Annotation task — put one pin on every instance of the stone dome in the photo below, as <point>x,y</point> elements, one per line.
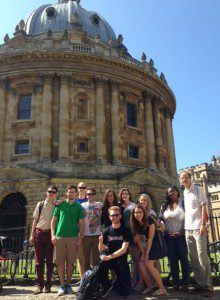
<point>59,17</point>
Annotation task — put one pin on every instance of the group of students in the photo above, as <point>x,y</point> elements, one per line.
<point>105,232</point>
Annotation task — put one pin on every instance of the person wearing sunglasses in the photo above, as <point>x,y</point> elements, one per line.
<point>66,234</point>
<point>41,238</point>
<point>92,229</point>
<point>113,246</point>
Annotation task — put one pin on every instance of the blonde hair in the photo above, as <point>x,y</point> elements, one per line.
<point>148,198</point>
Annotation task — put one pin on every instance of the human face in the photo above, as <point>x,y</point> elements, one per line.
<point>185,180</point>
<point>110,197</point>
<point>125,196</point>
<point>71,194</point>
<point>90,195</point>
<point>143,201</point>
<point>114,216</point>
<point>51,193</point>
<point>138,214</point>
<point>82,189</point>
<point>173,194</point>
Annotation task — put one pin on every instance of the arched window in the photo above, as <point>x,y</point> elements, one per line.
<point>82,108</point>
<point>13,220</point>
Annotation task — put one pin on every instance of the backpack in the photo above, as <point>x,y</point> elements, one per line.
<point>40,209</point>
<point>90,285</point>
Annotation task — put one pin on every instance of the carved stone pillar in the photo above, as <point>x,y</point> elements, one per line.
<point>158,137</point>
<point>151,154</point>
<point>100,121</point>
<point>2,116</point>
<point>115,122</point>
<point>170,144</point>
<point>46,119</point>
<point>64,119</point>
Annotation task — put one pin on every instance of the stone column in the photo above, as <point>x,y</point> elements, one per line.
<point>158,136</point>
<point>100,121</point>
<point>2,116</point>
<point>170,144</point>
<point>64,118</point>
<point>150,138</point>
<point>46,119</point>
<point>115,122</point>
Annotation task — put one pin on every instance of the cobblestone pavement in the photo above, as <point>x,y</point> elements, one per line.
<point>26,293</point>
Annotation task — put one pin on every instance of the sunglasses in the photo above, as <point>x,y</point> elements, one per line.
<point>51,192</point>
<point>82,187</point>
<point>90,194</point>
<point>114,216</point>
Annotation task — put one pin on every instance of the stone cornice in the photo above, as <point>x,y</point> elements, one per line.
<point>148,80</point>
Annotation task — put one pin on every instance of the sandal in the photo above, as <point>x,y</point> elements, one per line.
<point>160,292</point>
<point>147,291</point>
<point>208,293</point>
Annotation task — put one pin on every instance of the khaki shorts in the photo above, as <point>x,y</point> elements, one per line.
<point>65,250</point>
<point>79,253</point>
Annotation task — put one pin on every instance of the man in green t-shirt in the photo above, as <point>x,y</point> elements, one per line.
<point>68,219</point>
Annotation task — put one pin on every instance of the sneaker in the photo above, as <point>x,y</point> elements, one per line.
<point>47,290</point>
<point>76,283</point>
<point>208,293</point>
<point>105,291</point>
<point>62,291</point>
<point>68,289</point>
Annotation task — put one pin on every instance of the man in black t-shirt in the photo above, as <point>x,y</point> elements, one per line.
<point>113,246</point>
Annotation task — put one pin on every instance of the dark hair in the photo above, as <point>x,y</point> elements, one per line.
<point>53,187</point>
<point>136,227</point>
<point>120,195</point>
<point>92,190</point>
<point>71,186</point>
<point>167,200</point>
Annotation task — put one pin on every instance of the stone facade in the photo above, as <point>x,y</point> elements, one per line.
<point>80,90</point>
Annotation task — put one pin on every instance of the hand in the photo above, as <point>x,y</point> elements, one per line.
<point>105,257</point>
<point>31,240</point>
<point>202,230</point>
<point>53,239</point>
<point>79,242</point>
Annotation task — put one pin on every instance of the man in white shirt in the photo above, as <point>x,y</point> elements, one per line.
<point>195,226</point>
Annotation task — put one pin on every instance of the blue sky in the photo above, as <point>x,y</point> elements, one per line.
<point>183,38</point>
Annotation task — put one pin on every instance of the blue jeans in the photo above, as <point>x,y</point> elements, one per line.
<point>177,251</point>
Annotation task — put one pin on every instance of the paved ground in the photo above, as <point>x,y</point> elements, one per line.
<point>26,293</point>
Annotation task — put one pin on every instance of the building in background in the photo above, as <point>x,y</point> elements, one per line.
<point>75,105</point>
<point>208,176</point>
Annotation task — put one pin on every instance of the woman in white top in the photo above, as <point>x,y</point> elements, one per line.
<point>173,215</point>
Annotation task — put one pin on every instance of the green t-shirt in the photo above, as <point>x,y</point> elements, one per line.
<point>68,218</point>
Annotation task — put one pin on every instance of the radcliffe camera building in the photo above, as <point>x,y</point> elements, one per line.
<point>75,105</point>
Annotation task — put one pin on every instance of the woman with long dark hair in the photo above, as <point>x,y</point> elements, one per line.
<point>148,240</point>
<point>173,215</point>
<point>109,199</point>
<point>125,199</point>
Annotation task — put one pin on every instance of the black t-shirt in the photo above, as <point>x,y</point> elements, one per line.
<point>114,238</point>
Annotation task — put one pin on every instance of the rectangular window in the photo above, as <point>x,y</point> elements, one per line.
<point>82,146</point>
<point>24,107</point>
<point>131,115</point>
<point>22,147</point>
<point>133,151</point>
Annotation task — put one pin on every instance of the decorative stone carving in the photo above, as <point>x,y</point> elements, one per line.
<point>49,33</point>
<point>120,39</point>
<point>21,25</point>
<point>143,57</point>
<point>17,28</point>
<point>65,34</point>
<point>162,77</point>
<point>6,38</point>
<point>151,63</point>
<point>76,18</point>
<point>97,38</point>
<point>112,42</point>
